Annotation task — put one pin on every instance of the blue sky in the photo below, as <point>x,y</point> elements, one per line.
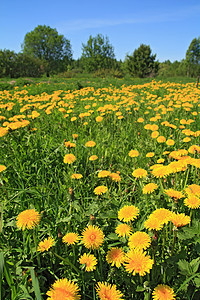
<point>167,26</point>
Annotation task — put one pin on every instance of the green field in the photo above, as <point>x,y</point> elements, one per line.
<point>100,189</point>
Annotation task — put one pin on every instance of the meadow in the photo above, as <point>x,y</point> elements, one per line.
<point>100,190</point>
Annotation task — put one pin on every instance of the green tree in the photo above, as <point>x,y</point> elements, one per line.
<point>97,54</point>
<point>50,47</point>
<point>193,58</point>
<point>142,62</point>
<point>7,63</point>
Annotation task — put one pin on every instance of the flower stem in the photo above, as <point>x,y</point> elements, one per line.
<point>68,262</point>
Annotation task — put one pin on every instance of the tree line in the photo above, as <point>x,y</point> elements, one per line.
<point>44,51</point>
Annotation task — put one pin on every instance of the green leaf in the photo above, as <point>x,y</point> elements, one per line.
<point>195,264</point>
<point>35,284</point>
<point>185,267</point>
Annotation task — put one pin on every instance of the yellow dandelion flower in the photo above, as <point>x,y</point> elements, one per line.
<point>160,161</point>
<point>139,240</point>
<point>186,139</point>
<point>170,142</point>
<point>29,219</point>
<point>107,291</point>
<point>75,135</point>
<point>154,134</point>
<point>139,173</point>
<point>99,119</point>
<point>137,261</point>
<point>103,174</point>
<point>128,213</point>
<point>140,120</point>
<point>174,194</point>
<point>194,148</point>
<point>179,220</point>
<point>161,139</point>
<point>123,230</point>
<point>115,177</point>
<point>90,144</point>
<point>163,292</point>
<point>69,158</point>
<point>63,289</point>
<point>133,153</point>
<point>149,188</point>
<point>46,244</point>
<point>162,214</point>
<point>92,237</point>
<point>69,144</point>
<point>102,189</point>
<point>73,119</point>
<point>193,189</point>
<point>76,176</point>
<point>93,157</point>
<point>192,202</point>
<point>2,168</point>
<point>115,257</point>
<point>89,260</point>
<point>70,238</point>
<point>150,154</point>
<point>160,171</point>
<point>153,223</point>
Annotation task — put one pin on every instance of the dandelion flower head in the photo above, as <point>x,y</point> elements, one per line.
<point>89,260</point>
<point>107,291</point>
<point>92,237</point>
<point>63,289</point>
<point>128,213</point>
<point>139,240</point>
<point>123,230</point>
<point>115,257</point>
<point>46,244</point>
<point>70,238</point>
<point>163,292</point>
<point>137,261</point>
<point>29,219</point>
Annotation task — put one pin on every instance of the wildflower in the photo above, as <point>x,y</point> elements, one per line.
<point>103,174</point>
<point>29,219</point>
<point>174,194</point>
<point>63,289</point>
<point>153,223</point>
<point>163,292</point>
<point>133,153</point>
<point>115,177</point>
<point>92,237</point>
<point>70,145</point>
<point>186,139</point>
<point>140,120</point>
<point>137,261</point>
<point>162,214</point>
<point>77,176</point>
<point>161,139</point>
<point>3,131</point>
<point>2,168</point>
<point>128,213</point>
<point>154,134</point>
<point>123,230</point>
<point>179,220</point>
<point>115,257</point>
<point>99,119</point>
<point>69,158</point>
<point>75,135</point>
<point>149,188</point>
<point>194,148</point>
<point>150,154</point>
<point>139,240</point>
<point>90,144</point>
<point>70,238</point>
<point>139,173</point>
<point>193,189</point>
<point>46,244</point>
<point>170,142</point>
<point>107,291</point>
<point>89,260</point>
<point>192,202</point>
<point>160,161</point>
<point>102,189</point>
<point>160,171</point>
<point>93,157</point>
